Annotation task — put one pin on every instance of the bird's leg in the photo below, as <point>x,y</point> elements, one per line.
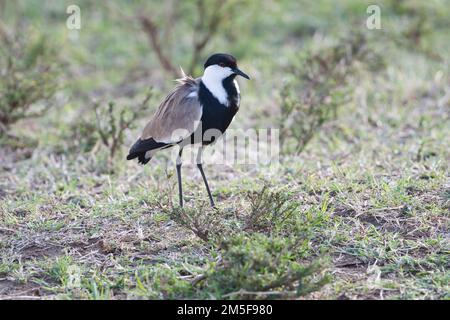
<point>200,167</point>
<point>180,187</point>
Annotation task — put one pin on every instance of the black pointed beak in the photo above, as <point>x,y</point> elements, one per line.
<point>240,73</point>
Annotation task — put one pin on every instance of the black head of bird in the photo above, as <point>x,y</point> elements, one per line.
<point>223,65</point>
<point>193,108</point>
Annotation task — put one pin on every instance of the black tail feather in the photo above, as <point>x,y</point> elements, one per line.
<point>140,148</point>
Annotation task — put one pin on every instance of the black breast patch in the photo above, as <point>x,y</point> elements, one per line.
<point>216,115</point>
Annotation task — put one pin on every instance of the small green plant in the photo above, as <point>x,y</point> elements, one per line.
<point>257,255</point>
<point>58,270</point>
<point>29,70</point>
<point>245,266</point>
<point>112,122</point>
<point>161,282</point>
<point>205,224</point>
<point>269,209</point>
<point>261,266</point>
<point>100,131</point>
<point>111,126</point>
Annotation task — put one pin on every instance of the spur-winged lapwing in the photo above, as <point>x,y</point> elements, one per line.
<point>196,111</point>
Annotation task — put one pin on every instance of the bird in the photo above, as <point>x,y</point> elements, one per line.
<point>196,112</point>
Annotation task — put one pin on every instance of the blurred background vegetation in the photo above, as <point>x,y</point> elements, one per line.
<point>305,57</point>
<point>364,132</point>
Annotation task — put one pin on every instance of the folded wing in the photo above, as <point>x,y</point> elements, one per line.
<point>176,118</point>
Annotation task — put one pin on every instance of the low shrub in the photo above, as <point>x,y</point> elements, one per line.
<point>29,69</point>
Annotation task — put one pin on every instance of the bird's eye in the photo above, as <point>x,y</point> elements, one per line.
<point>222,64</point>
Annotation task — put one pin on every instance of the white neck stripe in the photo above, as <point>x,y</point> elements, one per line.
<point>212,79</point>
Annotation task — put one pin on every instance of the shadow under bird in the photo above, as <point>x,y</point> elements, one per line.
<point>195,112</point>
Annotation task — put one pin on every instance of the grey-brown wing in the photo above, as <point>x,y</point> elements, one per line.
<point>178,115</point>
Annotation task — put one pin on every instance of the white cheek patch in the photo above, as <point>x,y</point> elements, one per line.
<point>212,79</point>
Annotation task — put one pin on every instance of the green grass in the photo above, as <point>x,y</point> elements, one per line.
<point>361,213</point>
